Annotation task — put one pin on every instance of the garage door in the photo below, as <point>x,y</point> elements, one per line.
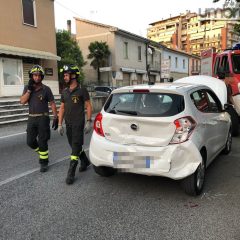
<point>139,78</point>
<point>126,79</point>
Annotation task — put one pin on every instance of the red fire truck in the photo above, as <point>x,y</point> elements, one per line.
<point>228,63</point>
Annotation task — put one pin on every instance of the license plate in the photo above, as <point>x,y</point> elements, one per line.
<point>130,160</point>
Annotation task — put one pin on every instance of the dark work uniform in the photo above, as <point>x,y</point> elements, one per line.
<point>229,93</point>
<point>38,126</point>
<point>74,106</point>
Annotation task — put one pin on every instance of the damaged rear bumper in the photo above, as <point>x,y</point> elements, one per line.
<point>174,161</point>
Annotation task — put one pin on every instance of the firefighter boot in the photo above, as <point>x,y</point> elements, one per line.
<point>71,172</point>
<point>85,163</point>
<point>43,166</point>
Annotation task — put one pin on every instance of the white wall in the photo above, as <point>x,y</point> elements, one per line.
<point>132,60</point>
<point>180,59</point>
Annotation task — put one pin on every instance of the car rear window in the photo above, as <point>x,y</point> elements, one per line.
<point>145,104</point>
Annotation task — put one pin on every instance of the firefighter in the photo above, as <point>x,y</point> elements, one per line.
<point>74,99</point>
<point>38,95</point>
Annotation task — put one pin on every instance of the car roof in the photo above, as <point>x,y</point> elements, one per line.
<point>179,88</point>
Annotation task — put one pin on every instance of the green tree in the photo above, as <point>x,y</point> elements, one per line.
<point>69,51</point>
<point>99,53</point>
<point>237,28</point>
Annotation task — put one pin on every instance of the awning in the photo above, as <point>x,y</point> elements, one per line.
<point>130,70</point>
<point>105,69</point>
<point>139,71</point>
<point>24,52</point>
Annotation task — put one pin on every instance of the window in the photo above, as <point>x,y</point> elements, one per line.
<point>193,64</point>
<point>213,102</point>
<point>206,101</point>
<point>29,13</point>
<point>176,62</point>
<point>216,66</point>
<point>126,50</point>
<point>225,64</point>
<point>12,71</point>
<point>184,64</point>
<point>236,63</point>
<point>145,104</point>
<point>139,53</point>
<point>200,101</point>
<point>170,60</point>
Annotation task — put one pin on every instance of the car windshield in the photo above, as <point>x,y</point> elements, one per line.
<point>236,63</point>
<point>145,104</point>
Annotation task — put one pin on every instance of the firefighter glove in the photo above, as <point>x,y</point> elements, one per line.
<point>60,130</point>
<point>55,123</point>
<point>30,85</point>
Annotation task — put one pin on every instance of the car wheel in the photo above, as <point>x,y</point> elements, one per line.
<point>235,121</point>
<point>104,171</point>
<point>193,184</point>
<point>228,145</point>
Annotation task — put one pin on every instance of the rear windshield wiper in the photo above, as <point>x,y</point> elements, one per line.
<point>127,112</point>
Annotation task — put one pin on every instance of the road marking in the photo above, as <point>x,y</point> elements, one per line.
<point>16,134</point>
<point>33,170</point>
<point>12,135</point>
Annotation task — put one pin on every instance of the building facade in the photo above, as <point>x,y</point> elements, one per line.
<point>27,37</point>
<point>194,33</point>
<point>133,59</point>
<point>127,61</point>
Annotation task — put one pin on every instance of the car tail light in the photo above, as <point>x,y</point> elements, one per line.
<point>184,128</point>
<point>98,125</point>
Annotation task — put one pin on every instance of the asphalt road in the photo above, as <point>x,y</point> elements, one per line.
<point>36,205</point>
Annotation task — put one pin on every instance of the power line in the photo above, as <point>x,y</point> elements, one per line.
<point>67,8</point>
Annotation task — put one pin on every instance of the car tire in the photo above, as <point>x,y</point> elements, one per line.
<point>193,184</point>
<point>228,145</point>
<point>235,121</point>
<point>104,171</point>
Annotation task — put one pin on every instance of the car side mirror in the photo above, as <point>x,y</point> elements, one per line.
<point>221,73</point>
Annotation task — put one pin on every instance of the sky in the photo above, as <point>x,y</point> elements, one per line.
<point>130,15</point>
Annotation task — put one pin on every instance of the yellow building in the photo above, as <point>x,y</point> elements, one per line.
<point>193,33</point>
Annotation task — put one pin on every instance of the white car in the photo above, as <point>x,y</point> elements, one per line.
<point>173,130</point>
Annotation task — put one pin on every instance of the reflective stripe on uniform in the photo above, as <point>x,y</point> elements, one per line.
<point>75,158</point>
<point>43,153</point>
<point>43,157</point>
<point>37,149</point>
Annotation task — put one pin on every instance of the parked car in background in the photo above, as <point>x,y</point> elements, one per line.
<point>103,90</point>
<point>173,130</point>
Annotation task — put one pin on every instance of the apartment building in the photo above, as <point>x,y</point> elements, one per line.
<point>193,33</point>
<point>27,37</point>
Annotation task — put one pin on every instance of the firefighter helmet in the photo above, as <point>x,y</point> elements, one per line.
<point>71,68</point>
<point>36,69</point>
